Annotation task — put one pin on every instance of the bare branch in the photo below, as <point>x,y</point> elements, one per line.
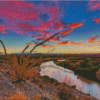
<point>25,49</point>
<point>44,42</point>
<point>3,47</point>
<point>51,50</point>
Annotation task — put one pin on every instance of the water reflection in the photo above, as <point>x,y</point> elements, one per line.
<point>82,84</point>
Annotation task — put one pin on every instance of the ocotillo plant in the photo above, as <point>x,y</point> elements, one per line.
<point>20,70</point>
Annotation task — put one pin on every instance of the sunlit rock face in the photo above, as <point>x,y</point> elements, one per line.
<point>98,74</point>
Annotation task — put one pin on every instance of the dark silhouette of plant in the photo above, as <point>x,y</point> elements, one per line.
<point>3,47</point>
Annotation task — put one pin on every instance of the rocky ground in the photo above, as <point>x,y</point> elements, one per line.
<point>29,90</point>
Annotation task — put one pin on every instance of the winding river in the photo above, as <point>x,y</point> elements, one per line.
<point>67,76</point>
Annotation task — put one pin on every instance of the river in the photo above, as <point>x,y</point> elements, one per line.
<point>67,76</point>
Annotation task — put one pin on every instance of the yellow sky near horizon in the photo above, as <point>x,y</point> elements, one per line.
<point>58,49</point>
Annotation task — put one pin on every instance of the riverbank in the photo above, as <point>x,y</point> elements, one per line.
<point>82,84</point>
<point>80,67</point>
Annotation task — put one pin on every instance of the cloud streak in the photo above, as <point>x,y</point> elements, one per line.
<point>93,39</point>
<point>75,25</point>
<point>69,43</point>
<point>30,44</point>
<point>47,46</point>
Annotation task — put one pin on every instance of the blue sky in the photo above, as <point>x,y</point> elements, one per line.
<point>78,24</point>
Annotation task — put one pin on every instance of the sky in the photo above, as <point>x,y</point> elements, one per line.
<point>25,23</point>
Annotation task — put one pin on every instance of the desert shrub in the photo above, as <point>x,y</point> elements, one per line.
<point>21,70</point>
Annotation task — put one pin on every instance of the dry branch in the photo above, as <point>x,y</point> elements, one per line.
<point>3,47</point>
<point>44,42</point>
<point>25,49</point>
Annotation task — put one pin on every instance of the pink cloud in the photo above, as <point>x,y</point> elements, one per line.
<point>3,29</point>
<point>23,18</point>
<point>18,16</point>
<point>17,10</point>
<point>94,5</point>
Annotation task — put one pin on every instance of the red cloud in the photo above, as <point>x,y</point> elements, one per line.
<point>92,39</point>
<point>62,43</point>
<point>47,46</point>
<point>69,43</point>
<point>57,38</point>
<point>2,29</point>
<point>75,25</point>
<point>29,43</point>
<point>40,36</point>
<point>97,20</point>
<point>61,35</point>
<point>67,32</point>
<point>75,43</point>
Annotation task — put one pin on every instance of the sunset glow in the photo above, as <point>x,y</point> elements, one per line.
<point>31,22</point>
